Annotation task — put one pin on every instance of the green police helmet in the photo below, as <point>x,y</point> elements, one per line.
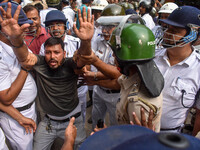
<point>113,10</point>
<point>133,43</point>
<point>53,3</point>
<point>126,5</point>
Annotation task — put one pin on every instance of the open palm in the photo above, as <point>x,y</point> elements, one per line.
<point>9,23</point>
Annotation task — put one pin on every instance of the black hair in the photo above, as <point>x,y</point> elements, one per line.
<point>54,41</point>
<point>28,8</point>
<point>83,2</point>
<point>65,2</point>
<point>39,6</point>
<point>147,6</point>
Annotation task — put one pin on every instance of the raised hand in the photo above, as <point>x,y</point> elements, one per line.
<point>86,29</point>
<point>9,24</point>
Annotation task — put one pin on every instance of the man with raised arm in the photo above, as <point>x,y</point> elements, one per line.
<point>55,77</point>
<point>17,92</point>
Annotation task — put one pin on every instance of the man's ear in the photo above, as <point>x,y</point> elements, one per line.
<point>39,18</point>
<point>64,53</point>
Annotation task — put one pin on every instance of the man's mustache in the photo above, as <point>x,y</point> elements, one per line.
<point>52,60</point>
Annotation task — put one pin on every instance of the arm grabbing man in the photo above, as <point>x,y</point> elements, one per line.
<point>17,85</point>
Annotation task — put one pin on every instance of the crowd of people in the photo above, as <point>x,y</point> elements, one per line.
<point>137,60</point>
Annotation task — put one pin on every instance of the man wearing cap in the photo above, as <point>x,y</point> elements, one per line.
<point>52,5</point>
<point>36,34</point>
<point>55,77</point>
<point>163,13</point>
<point>17,91</point>
<point>179,63</point>
<point>97,7</point>
<point>56,25</point>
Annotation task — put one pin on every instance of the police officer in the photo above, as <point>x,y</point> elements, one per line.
<point>163,13</point>
<point>141,82</point>
<point>56,25</point>
<point>105,99</point>
<point>52,5</point>
<point>69,13</point>
<point>97,7</point>
<point>179,63</point>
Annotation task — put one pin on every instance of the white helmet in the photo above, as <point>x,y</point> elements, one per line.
<point>168,8</point>
<point>99,4</point>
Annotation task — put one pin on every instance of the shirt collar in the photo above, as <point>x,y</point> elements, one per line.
<point>67,7</point>
<point>187,61</point>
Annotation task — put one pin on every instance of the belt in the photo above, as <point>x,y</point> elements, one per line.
<point>25,107</point>
<point>176,128</point>
<point>65,120</point>
<point>110,91</point>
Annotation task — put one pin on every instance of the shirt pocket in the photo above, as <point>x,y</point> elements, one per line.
<point>183,92</point>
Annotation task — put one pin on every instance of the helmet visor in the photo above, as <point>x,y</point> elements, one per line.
<point>171,40</point>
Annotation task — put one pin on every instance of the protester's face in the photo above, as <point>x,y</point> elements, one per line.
<point>34,16</point>
<point>54,55</point>
<point>173,34</point>
<point>57,29</point>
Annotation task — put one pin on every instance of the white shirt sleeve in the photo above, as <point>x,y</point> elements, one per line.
<point>5,76</point>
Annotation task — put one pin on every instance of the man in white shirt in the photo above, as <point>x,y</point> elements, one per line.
<point>58,71</point>
<point>145,7</point>
<point>179,64</point>
<point>17,92</point>
<point>69,13</point>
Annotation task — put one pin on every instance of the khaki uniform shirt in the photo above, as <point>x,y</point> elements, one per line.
<point>133,95</point>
